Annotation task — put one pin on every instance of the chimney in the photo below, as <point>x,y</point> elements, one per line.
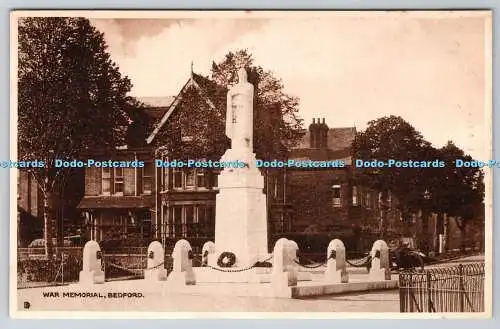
<point>313,134</point>
<point>325,134</point>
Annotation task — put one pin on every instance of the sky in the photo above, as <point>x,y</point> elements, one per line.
<point>349,69</point>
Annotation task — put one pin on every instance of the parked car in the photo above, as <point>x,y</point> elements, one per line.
<point>405,255</point>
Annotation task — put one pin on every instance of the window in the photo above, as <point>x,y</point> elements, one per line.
<point>368,199</point>
<point>165,178</point>
<point>202,220</point>
<point>177,220</point>
<point>201,180</point>
<point>191,225</point>
<point>106,181</point>
<point>118,181</point>
<point>336,196</point>
<point>177,177</point>
<point>190,178</point>
<point>210,221</point>
<point>215,180</point>
<point>146,224</point>
<point>147,178</point>
<point>354,196</point>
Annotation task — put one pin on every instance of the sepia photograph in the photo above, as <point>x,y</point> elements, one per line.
<point>251,164</point>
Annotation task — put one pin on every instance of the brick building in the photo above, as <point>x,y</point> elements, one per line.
<point>329,201</point>
<point>162,203</point>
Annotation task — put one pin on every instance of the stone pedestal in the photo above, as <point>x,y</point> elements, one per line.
<point>285,270</point>
<point>336,271</point>
<point>380,267</point>
<point>91,272</point>
<point>155,270</point>
<point>182,272</point>
<point>241,214</point>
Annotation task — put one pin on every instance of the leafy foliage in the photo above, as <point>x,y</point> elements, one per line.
<point>393,138</point>
<point>458,192</point>
<point>197,130</point>
<point>67,83</point>
<point>71,97</point>
<point>277,125</point>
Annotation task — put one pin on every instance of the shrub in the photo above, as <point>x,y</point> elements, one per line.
<point>44,270</point>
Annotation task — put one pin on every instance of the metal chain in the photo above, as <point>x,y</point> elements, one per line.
<point>332,256</point>
<point>310,266</point>
<point>362,262</point>
<point>156,266</point>
<point>238,270</point>
<point>123,267</point>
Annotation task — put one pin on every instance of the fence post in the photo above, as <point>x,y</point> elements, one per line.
<point>62,267</point>
<point>461,286</point>
<point>402,294</point>
<point>428,291</point>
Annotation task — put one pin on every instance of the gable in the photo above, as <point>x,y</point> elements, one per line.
<point>206,89</point>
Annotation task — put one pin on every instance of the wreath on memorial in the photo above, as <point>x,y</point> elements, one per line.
<point>226,259</point>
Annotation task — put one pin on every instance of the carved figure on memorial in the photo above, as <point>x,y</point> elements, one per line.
<point>239,115</point>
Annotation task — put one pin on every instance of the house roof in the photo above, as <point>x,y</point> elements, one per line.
<point>156,102</point>
<point>205,86</point>
<point>339,146</point>
<point>155,107</point>
<point>113,202</point>
<point>338,139</point>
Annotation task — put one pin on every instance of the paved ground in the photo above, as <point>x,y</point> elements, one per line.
<point>157,297</point>
<point>386,301</point>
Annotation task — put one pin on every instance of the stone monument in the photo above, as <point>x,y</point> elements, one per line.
<point>241,214</point>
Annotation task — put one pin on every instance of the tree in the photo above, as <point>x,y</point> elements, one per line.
<point>71,98</point>
<point>392,138</point>
<point>277,125</point>
<point>460,190</point>
<point>197,130</point>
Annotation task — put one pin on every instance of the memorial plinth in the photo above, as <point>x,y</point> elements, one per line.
<point>241,210</point>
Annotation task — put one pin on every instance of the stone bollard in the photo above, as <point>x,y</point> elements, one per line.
<point>336,271</point>
<point>208,253</point>
<point>182,272</point>
<point>285,269</point>
<point>91,272</point>
<point>155,270</point>
<point>380,267</point>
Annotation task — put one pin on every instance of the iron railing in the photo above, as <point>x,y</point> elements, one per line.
<point>35,270</point>
<point>445,289</point>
